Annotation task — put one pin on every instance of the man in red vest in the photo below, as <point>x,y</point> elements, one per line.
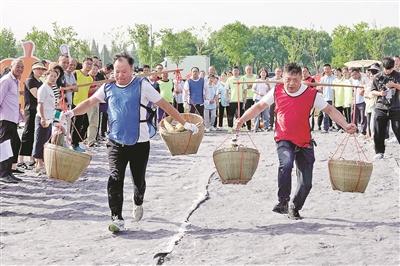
<point>293,103</point>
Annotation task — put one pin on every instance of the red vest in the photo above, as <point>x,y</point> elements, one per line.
<point>292,116</point>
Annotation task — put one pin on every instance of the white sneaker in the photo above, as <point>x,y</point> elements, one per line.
<point>116,225</point>
<point>213,129</point>
<point>137,211</point>
<point>378,156</point>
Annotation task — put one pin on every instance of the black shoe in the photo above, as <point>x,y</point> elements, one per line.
<point>17,171</point>
<point>281,207</point>
<point>8,179</point>
<point>16,178</point>
<point>294,213</point>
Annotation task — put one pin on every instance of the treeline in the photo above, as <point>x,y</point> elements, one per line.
<point>233,44</point>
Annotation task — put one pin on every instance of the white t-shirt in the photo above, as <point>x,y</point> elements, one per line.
<point>319,101</point>
<point>260,88</point>
<point>148,94</point>
<point>45,95</point>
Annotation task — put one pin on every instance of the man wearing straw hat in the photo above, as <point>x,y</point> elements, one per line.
<point>293,103</point>
<point>128,100</point>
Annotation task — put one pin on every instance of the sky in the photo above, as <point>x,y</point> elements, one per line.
<point>96,19</point>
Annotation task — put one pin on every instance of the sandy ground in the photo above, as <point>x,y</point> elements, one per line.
<point>192,218</point>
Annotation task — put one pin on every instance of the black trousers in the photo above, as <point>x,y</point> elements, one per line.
<point>103,120</point>
<point>382,118</point>
<point>179,107</point>
<point>232,112</point>
<point>118,158</point>
<point>197,109</point>
<point>221,111</point>
<point>28,134</point>
<point>288,153</point>
<point>9,131</point>
<point>79,131</point>
<point>347,114</point>
<point>249,103</point>
<point>341,110</point>
<point>271,116</point>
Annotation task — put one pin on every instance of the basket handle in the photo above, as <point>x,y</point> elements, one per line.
<point>343,144</point>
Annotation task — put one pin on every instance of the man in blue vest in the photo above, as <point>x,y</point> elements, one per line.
<point>128,100</point>
<point>195,89</point>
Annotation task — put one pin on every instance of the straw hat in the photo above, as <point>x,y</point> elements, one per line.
<point>38,65</point>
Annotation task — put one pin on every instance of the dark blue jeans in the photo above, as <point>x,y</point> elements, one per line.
<point>288,153</point>
<point>118,157</point>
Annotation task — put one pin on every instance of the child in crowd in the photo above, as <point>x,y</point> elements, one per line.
<point>210,103</point>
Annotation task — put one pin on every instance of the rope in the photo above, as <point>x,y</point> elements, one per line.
<point>359,149</point>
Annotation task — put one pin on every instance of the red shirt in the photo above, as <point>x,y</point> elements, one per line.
<point>292,116</point>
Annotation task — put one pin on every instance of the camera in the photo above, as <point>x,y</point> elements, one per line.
<point>382,81</point>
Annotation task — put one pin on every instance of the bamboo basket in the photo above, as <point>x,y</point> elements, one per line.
<point>64,164</point>
<point>349,176</point>
<point>236,165</point>
<point>182,143</point>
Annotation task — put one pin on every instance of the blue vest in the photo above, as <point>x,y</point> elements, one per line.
<point>196,91</point>
<point>124,111</point>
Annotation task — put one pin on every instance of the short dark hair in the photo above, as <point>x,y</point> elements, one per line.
<point>87,59</point>
<point>235,67</point>
<point>109,66</point>
<point>95,57</point>
<point>146,66</point>
<point>194,68</point>
<point>355,69</point>
<point>126,56</point>
<point>339,69</point>
<point>327,65</point>
<point>388,62</point>
<point>292,68</point>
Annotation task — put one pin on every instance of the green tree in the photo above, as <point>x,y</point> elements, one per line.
<point>48,45</point>
<point>294,41</point>
<point>140,35</point>
<point>8,47</point>
<point>178,45</point>
<point>120,41</point>
<point>232,41</point>
<point>42,42</point>
<point>317,49</point>
<point>350,43</point>
<point>265,47</point>
<point>383,42</point>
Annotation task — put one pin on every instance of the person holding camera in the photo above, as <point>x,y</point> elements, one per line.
<point>386,87</point>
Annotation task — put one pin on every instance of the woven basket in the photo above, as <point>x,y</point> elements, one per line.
<point>180,143</point>
<point>65,164</point>
<point>349,176</point>
<point>236,165</point>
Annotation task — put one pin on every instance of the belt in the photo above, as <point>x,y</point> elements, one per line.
<point>119,144</point>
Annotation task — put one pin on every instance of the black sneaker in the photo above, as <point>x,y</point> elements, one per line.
<point>17,171</point>
<point>16,178</point>
<point>281,207</point>
<point>8,179</point>
<point>294,213</point>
